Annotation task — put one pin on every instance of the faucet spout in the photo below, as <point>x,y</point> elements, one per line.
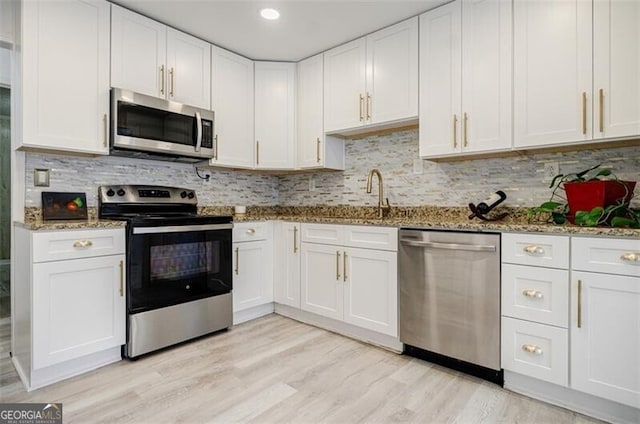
<point>383,204</point>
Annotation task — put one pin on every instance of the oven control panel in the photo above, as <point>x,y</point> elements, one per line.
<point>146,194</point>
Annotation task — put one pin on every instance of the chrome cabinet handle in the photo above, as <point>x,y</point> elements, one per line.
<point>344,267</point>
<point>295,239</point>
<point>121,278</point>
<point>162,79</point>
<point>338,265</point>
<point>237,270</point>
<point>251,231</point>
<point>529,348</point>
<point>630,257</point>
<point>83,243</point>
<point>533,250</point>
<point>361,106</point>
<point>532,293</point>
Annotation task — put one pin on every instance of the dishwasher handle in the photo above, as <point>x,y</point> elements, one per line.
<point>449,246</point>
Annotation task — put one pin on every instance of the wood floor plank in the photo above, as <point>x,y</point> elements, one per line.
<point>276,370</point>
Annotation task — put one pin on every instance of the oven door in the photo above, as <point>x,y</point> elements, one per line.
<point>177,264</point>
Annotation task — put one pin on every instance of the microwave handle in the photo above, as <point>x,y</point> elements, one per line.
<point>198,131</point>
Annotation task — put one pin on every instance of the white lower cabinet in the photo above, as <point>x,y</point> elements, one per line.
<point>351,284</point>
<point>605,322</point>
<point>286,274</point>
<point>252,265</point>
<point>69,302</point>
<point>78,308</point>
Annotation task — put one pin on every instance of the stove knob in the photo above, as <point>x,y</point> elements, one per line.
<point>120,192</point>
<point>110,192</point>
<point>191,195</point>
<point>183,194</point>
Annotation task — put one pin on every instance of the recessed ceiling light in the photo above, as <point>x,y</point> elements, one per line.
<point>270,14</point>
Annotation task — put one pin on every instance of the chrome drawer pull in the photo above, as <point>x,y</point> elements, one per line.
<point>536,350</point>
<point>251,231</point>
<point>82,243</point>
<point>533,250</point>
<point>532,293</point>
<point>631,257</point>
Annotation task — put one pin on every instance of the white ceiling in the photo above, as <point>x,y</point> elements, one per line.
<point>305,27</point>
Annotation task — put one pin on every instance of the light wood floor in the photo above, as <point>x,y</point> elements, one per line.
<point>276,370</point>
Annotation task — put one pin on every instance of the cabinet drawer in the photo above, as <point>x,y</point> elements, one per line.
<point>323,233</point>
<point>536,295</point>
<point>381,238</point>
<point>250,231</point>
<point>612,256</point>
<point>72,244</point>
<point>536,350</point>
<point>536,250</point>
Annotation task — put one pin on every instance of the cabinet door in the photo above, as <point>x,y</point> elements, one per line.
<point>138,53</point>
<point>344,86</point>
<point>371,290</point>
<point>274,114</point>
<point>310,131</point>
<point>65,69</point>
<point>232,103</point>
<point>188,69</point>
<point>253,275</point>
<point>78,308</point>
<point>440,81</point>
<point>605,336</point>
<point>486,75</point>
<point>616,66</point>
<point>552,72</point>
<point>392,73</point>
<point>321,282</point>
<point>287,263</point>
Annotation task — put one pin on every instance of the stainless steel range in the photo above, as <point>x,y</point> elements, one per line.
<point>179,265</point>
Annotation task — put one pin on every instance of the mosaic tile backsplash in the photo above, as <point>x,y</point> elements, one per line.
<point>443,184</point>
<point>69,173</point>
<point>439,184</point>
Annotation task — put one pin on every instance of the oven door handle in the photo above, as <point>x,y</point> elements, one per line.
<point>181,228</point>
<point>198,131</point>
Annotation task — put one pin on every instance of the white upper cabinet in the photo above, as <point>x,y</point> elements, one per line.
<point>465,78</point>
<point>138,53</point>
<point>189,69</point>
<point>616,68</point>
<point>372,80</point>
<point>314,149</point>
<point>232,102</point>
<point>152,59</point>
<point>274,115</point>
<point>552,72</point>
<point>65,76</point>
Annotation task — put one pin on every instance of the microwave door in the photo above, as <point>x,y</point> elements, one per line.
<point>198,131</point>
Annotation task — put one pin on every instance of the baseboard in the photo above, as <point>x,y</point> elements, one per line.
<point>382,340</point>
<point>252,313</point>
<point>574,400</point>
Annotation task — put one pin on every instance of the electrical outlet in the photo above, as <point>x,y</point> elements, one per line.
<point>312,184</point>
<point>551,169</point>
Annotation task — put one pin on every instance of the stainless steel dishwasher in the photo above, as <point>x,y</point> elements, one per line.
<point>450,299</point>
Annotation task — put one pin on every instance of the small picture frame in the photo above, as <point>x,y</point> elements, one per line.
<point>64,206</point>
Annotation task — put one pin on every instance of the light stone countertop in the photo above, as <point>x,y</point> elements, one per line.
<point>447,218</point>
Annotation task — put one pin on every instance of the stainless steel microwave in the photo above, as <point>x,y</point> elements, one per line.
<point>162,128</point>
